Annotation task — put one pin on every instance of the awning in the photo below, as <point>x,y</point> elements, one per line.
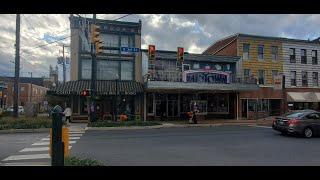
<point>102,88</point>
<point>303,97</point>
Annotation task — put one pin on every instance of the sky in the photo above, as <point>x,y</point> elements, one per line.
<point>194,32</point>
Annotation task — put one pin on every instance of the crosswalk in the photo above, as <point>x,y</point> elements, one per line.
<point>38,153</point>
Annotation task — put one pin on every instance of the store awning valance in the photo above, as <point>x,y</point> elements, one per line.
<point>303,97</point>
<point>102,87</point>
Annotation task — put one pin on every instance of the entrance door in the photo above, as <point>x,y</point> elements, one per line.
<point>244,109</point>
<point>172,108</point>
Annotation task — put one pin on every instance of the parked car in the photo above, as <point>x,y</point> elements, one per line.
<point>302,122</point>
<point>20,109</point>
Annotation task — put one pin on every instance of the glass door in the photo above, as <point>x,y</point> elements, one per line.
<point>172,108</point>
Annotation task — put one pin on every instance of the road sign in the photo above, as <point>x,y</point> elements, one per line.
<point>129,49</point>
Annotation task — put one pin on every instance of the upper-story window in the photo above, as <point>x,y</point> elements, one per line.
<point>292,52</point>
<point>274,74</point>
<point>314,55</point>
<point>303,56</point>
<point>293,78</point>
<point>304,78</point>
<point>315,79</point>
<point>274,52</point>
<point>261,76</point>
<point>260,52</point>
<point>246,48</point>
<point>196,66</point>
<point>247,73</point>
<point>111,40</point>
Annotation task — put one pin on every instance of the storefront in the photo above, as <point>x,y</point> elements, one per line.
<point>303,100</point>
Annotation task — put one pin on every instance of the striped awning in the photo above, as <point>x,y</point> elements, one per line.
<point>102,88</point>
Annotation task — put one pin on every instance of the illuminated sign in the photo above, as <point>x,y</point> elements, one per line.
<point>206,76</point>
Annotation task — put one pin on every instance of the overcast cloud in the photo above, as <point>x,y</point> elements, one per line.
<point>194,32</point>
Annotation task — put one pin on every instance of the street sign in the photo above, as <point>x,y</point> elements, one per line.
<point>129,49</point>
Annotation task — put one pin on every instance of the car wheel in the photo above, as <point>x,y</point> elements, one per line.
<point>308,133</point>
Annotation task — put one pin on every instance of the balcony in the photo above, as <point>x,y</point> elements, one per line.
<point>174,81</point>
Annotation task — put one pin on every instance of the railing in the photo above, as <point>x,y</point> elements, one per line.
<point>177,77</point>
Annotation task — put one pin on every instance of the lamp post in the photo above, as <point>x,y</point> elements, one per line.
<point>30,100</point>
<point>116,109</point>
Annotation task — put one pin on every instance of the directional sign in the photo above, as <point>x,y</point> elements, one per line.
<point>129,49</point>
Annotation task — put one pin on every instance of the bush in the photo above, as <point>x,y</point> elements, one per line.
<point>25,123</point>
<point>75,161</point>
<point>121,124</point>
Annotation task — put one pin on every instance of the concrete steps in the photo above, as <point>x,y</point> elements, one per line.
<point>79,119</point>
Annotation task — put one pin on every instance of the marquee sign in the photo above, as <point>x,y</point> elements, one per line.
<point>206,76</point>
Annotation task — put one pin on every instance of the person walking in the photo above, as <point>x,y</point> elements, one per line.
<point>194,117</point>
<point>67,112</point>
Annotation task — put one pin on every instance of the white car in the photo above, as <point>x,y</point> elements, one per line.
<point>20,109</point>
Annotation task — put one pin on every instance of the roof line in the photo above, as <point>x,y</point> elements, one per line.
<point>220,40</point>
<point>225,46</point>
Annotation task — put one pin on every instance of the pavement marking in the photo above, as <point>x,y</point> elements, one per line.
<point>261,126</point>
<point>27,164</point>
<point>76,132</point>
<point>47,143</point>
<point>70,138</point>
<point>29,156</point>
<point>74,135</point>
<point>37,149</point>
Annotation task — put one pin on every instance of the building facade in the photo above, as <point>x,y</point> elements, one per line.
<point>205,82</point>
<point>119,81</point>
<point>301,70</point>
<point>262,60</point>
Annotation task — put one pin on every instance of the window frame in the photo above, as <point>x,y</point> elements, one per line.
<point>304,80</point>
<point>260,53</point>
<point>264,76</point>
<point>303,57</point>
<point>293,79</point>
<point>274,54</point>
<point>292,58</point>
<point>313,79</point>
<point>314,58</point>
<point>272,74</point>
<point>243,51</point>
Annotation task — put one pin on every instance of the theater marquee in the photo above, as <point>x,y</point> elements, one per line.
<point>206,76</point>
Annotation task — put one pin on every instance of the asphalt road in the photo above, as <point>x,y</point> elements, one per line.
<point>223,145</point>
<point>12,143</point>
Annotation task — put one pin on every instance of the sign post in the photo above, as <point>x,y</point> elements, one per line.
<point>57,145</point>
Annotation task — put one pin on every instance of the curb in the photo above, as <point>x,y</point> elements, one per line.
<point>9,131</point>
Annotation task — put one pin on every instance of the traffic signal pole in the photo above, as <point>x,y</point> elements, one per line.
<point>93,77</point>
<point>17,69</point>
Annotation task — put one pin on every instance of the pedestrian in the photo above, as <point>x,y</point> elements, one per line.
<point>194,117</point>
<point>67,112</point>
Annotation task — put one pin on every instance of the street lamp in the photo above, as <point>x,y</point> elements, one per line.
<point>116,109</point>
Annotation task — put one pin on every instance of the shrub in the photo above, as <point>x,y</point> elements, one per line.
<point>25,123</point>
<point>76,161</point>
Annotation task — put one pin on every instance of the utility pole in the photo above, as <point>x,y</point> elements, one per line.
<point>64,65</point>
<point>31,88</point>
<point>93,77</point>
<point>17,69</point>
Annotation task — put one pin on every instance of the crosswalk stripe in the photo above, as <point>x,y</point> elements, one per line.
<point>73,135</point>
<point>37,149</point>
<point>76,132</point>
<point>29,156</point>
<point>27,164</point>
<point>47,143</point>
<point>70,138</point>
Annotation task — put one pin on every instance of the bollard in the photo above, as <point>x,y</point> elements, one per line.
<point>57,146</point>
<point>65,140</point>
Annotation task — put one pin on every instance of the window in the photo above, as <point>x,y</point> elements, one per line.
<point>86,69</point>
<point>127,41</point>
<point>292,55</point>
<point>185,67</point>
<point>313,116</point>
<point>247,73</point>
<point>246,48</point>
<point>22,88</point>
<point>304,78</point>
<point>314,55</point>
<point>126,70</point>
<point>251,104</point>
<point>260,52</point>
<point>274,51</point>
<point>261,76</point>
<point>150,103</point>
<point>263,105</point>
<point>293,78</point>
<point>315,78</point>
<point>196,66</point>
<point>111,40</point>
<point>303,56</point>
<point>274,73</point>
<point>107,70</point>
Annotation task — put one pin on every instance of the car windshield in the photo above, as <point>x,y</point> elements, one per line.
<point>294,115</point>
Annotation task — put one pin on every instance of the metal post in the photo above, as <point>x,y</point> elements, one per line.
<point>145,106</point>
<point>57,145</point>
<point>31,89</point>
<point>116,109</point>
<point>93,77</point>
<point>64,65</point>
<point>17,69</point>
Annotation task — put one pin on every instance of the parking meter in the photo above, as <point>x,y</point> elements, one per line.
<point>57,158</point>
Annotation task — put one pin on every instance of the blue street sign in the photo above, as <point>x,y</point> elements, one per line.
<point>129,49</point>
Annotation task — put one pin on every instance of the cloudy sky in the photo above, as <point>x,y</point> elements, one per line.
<point>166,31</point>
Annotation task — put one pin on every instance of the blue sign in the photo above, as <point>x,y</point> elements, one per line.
<point>129,49</point>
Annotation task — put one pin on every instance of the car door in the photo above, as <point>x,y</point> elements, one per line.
<point>317,124</point>
<point>312,121</point>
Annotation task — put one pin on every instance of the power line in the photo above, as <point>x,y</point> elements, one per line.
<point>122,17</point>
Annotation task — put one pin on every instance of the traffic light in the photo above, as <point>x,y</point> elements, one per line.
<point>85,92</point>
<point>180,54</point>
<point>99,47</point>
<point>152,51</point>
<point>95,33</point>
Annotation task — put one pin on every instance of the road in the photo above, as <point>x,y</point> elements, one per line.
<point>223,145</point>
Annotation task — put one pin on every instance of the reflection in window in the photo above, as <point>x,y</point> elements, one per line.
<point>107,70</point>
<point>86,69</point>
<point>126,70</point>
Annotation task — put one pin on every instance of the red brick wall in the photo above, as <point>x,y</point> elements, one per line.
<point>230,50</point>
<point>263,93</point>
<point>218,45</point>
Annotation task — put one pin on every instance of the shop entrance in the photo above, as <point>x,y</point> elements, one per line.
<point>244,109</point>
<point>172,108</point>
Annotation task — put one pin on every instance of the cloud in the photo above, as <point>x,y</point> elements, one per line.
<point>194,32</point>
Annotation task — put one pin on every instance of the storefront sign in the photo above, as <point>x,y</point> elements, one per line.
<point>206,76</point>
<point>277,82</point>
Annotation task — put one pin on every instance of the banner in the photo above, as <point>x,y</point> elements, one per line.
<point>277,82</point>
